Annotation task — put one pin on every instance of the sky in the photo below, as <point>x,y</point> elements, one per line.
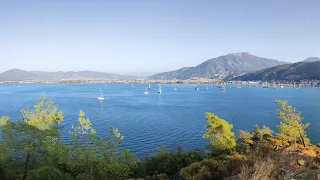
<point>149,36</point>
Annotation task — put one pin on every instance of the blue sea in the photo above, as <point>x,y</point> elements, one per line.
<point>174,118</point>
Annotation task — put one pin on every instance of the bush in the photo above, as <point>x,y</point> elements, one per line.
<point>169,163</point>
<point>314,167</point>
<point>206,169</point>
<point>317,159</point>
<point>115,171</point>
<point>48,173</point>
<point>84,176</point>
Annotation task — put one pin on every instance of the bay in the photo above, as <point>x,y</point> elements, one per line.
<point>174,118</point>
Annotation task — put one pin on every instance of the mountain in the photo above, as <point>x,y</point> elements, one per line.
<point>170,74</point>
<point>221,67</point>
<point>21,75</point>
<point>312,59</point>
<point>290,72</point>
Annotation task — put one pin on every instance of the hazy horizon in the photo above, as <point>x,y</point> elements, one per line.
<point>134,36</point>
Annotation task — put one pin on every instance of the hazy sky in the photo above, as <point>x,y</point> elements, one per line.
<point>127,36</point>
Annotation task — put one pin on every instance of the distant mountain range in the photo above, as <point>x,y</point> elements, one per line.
<point>222,67</point>
<point>305,70</point>
<point>21,75</point>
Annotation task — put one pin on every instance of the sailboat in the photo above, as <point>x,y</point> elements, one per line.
<point>265,85</point>
<point>101,96</point>
<point>149,88</point>
<point>275,86</point>
<point>196,88</point>
<point>174,89</point>
<point>146,92</point>
<point>159,91</point>
<point>132,85</point>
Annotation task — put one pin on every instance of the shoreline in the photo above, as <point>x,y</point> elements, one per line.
<point>314,83</point>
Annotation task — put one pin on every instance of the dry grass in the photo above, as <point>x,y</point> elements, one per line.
<point>261,170</point>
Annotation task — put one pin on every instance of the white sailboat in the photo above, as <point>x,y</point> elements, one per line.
<point>159,91</point>
<point>101,96</point>
<point>132,85</point>
<point>146,92</point>
<point>149,88</point>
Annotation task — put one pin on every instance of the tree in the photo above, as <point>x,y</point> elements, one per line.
<point>87,149</point>
<point>291,125</point>
<point>219,133</point>
<point>48,173</point>
<point>244,135</point>
<point>127,157</point>
<point>34,140</point>
<point>257,135</point>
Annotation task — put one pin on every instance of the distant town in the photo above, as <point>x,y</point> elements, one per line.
<point>314,83</point>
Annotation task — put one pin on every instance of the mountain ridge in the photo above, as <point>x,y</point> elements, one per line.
<point>22,75</point>
<point>229,65</point>
<point>304,70</point>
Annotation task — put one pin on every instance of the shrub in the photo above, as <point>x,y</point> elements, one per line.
<point>169,163</point>
<point>206,169</point>
<point>46,172</point>
<point>317,159</point>
<point>314,167</point>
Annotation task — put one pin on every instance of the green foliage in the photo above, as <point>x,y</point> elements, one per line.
<point>161,176</point>
<point>244,135</point>
<point>243,148</point>
<point>219,133</point>
<point>112,171</point>
<point>87,146</point>
<point>34,139</point>
<point>48,173</point>
<point>317,159</point>
<point>169,163</point>
<point>4,120</point>
<point>161,150</point>
<point>313,167</point>
<point>291,124</point>
<point>44,116</point>
<point>127,157</point>
<point>206,169</point>
<point>257,134</point>
<point>85,176</point>
<point>30,148</point>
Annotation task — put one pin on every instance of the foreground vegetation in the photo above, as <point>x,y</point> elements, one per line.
<point>31,148</point>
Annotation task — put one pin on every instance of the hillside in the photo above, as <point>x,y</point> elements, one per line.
<point>21,75</point>
<point>312,59</point>
<point>289,72</point>
<point>221,67</point>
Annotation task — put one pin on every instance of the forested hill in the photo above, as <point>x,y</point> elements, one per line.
<point>305,70</point>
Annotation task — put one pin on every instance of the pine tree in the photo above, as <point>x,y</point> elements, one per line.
<point>219,133</point>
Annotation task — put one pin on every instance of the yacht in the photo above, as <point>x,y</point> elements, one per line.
<point>146,92</point>
<point>159,91</point>
<point>101,96</point>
